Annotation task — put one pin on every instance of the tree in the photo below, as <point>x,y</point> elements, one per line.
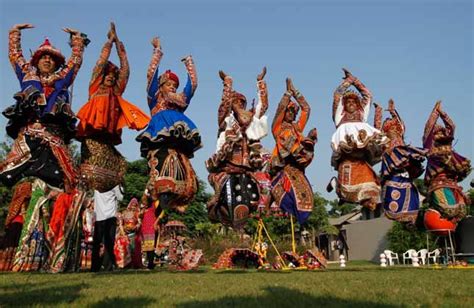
<point>470,193</point>
<point>135,180</point>
<point>196,213</point>
<point>338,210</point>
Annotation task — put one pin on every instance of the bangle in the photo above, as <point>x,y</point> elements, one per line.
<point>297,94</point>
<point>288,93</point>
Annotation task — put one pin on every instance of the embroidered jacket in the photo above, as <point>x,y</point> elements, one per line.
<point>176,101</point>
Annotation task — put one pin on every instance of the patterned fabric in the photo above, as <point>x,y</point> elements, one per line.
<point>19,203</point>
<point>449,201</point>
<point>236,197</point>
<point>401,159</point>
<point>169,127</point>
<point>106,112</point>
<point>358,183</point>
<point>400,199</point>
<point>339,115</point>
<point>445,167</point>
<point>293,152</point>
<point>288,136</point>
<point>31,254</point>
<point>240,130</point>
<point>147,230</point>
<point>172,177</point>
<point>293,192</point>
<point>39,152</point>
<point>103,167</point>
<point>54,105</point>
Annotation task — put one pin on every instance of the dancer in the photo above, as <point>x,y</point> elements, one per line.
<point>238,170</point>
<point>170,138</point>
<point>445,167</point>
<point>356,145</point>
<point>401,164</point>
<point>41,121</point>
<point>293,152</point>
<point>103,117</point>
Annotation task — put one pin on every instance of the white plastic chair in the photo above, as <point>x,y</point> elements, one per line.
<point>391,257</point>
<point>422,254</point>
<point>407,255</point>
<point>434,255</point>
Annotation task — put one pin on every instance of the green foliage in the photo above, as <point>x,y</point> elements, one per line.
<point>420,185</point>
<point>135,180</point>
<point>196,213</point>
<point>402,237</point>
<point>338,210</point>
<point>279,226</point>
<point>470,193</point>
<point>5,191</point>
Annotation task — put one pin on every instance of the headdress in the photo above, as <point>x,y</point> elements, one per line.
<point>47,48</point>
<point>351,94</point>
<point>169,75</point>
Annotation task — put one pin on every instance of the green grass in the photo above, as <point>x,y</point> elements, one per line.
<point>360,284</point>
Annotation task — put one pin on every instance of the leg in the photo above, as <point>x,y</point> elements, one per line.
<point>109,240</point>
<point>150,255</point>
<point>97,240</point>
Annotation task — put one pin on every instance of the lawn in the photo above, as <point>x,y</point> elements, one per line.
<point>360,284</point>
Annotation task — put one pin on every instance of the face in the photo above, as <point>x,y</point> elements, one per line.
<point>290,115</point>
<point>241,103</point>
<point>109,79</point>
<point>46,64</point>
<point>351,105</point>
<point>169,86</point>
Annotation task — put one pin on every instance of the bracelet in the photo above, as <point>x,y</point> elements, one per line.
<point>297,94</point>
<point>288,93</point>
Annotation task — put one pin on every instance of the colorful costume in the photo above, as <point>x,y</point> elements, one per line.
<point>41,121</point>
<point>53,105</point>
<point>356,146</point>
<point>445,167</point>
<point>237,170</point>
<point>130,221</point>
<point>102,119</point>
<point>170,138</point>
<point>293,152</point>
<point>13,224</point>
<point>401,164</point>
<point>106,112</point>
<point>32,252</point>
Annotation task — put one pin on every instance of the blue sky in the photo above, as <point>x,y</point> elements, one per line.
<point>415,52</point>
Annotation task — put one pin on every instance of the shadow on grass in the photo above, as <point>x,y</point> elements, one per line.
<point>124,302</point>
<point>29,294</point>
<point>282,297</point>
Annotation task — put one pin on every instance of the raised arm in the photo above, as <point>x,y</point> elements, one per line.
<point>430,125</point>
<point>100,65</point>
<point>124,71</point>
<point>395,115</point>
<point>192,81</point>
<point>152,73</point>
<point>15,53</point>
<point>225,106</point>
<point>305,109</point>
<point>280,114</point>
<point>448,122</point>
<point>337,107</point>
<point>78,42</point>
<point>262,104</point>
<point>378,116</point>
